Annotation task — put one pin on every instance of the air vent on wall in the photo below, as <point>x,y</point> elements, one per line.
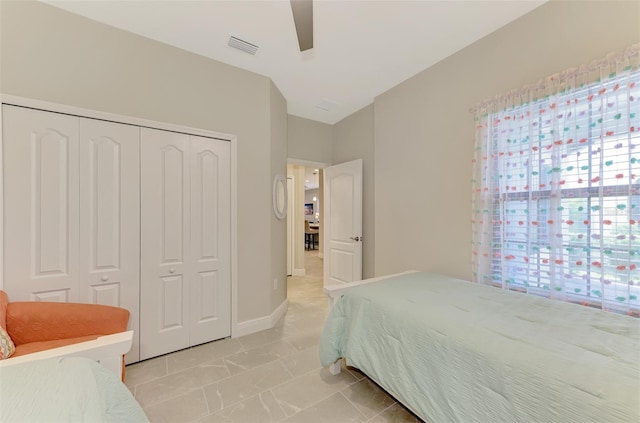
<point>243,45</point>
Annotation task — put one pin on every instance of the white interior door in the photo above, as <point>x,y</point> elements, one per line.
<point>41,205</point>
<point>164,284</point>
<point>342,223</point>
<point>209,269</point>
<point>110,218</point>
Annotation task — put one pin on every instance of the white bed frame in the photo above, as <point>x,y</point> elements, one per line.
<point>336,291</point>
<point>106,350</point>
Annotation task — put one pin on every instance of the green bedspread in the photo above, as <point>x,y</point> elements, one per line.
<point>455,351</point>
<point>70,389</point>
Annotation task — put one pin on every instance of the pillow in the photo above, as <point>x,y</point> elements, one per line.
<point>7,347</point>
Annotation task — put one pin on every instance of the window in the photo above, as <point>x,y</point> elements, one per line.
<point>557,189</point>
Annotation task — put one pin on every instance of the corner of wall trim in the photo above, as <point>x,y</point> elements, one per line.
<point>261,323</point>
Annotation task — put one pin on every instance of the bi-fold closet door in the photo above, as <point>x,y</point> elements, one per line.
<point>71,210</point>
<point>186,236</point>
<point>115,214</point>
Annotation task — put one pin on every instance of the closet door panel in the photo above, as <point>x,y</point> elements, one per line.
<point>210,240</point>
<point>164,304</point>
<point>114,214</point>
<point>110,218</point>
<point>41,205</point>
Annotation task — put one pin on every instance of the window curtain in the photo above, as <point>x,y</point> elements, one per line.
<point>556,186</point>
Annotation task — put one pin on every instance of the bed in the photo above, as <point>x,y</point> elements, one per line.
<point>77,382</point>
<point>65,389</point>
<point>456,351</point>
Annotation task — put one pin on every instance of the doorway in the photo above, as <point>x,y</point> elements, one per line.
<point>304,219</point>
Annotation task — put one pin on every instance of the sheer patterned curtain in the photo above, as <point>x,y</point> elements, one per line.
<point>556,188</point>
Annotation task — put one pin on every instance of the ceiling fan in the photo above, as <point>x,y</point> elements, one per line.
<point>303,19</point>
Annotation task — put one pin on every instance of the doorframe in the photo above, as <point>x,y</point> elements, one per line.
<point>305,163</point>
<point>130,120</point>
<point>290,224</point>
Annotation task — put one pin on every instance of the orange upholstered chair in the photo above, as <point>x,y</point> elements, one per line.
<point>37,326</point>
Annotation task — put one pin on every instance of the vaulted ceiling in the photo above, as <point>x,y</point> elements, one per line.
<point>361,48</point>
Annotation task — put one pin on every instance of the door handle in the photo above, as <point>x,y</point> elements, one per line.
<point>358,238</point>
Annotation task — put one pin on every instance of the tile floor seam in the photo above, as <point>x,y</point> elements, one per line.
<point>206,398</point>
<point>310,405</point>
<point>219,412</point>
<point>147,381</point>
<point>257,393</point>
<point>265,345</point>
<point>217,381</point>
<point>148,406</point>
<point>248,370</point>
<point>190,389</point>
<point>206,403</point>
<point>242,349</point>
<point>353,405</point>
<point>279,406</point>
<point>287,369</point>
<point>392,404</point>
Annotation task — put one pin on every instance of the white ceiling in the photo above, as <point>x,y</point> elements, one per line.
<point>311,178</point>
<point>361,48</point>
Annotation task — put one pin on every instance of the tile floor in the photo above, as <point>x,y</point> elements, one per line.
<point>270,376</point>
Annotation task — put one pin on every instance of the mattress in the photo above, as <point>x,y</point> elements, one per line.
<point>456,351</point>
<point>67,389</point>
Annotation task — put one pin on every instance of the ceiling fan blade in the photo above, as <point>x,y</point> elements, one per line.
<point>303,18</point>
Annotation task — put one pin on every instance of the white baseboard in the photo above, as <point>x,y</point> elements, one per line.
<point>279,312</point>
<point>299,272</point>
<point>261,323</point>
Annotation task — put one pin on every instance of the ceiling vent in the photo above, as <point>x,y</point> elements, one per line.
<point>326,105</point>
<point>243,45</point>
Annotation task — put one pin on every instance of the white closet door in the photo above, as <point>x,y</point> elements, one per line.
<point>210,264</point>
<point>164,296</point>
<point>41,205</point>
<point>110,218</point>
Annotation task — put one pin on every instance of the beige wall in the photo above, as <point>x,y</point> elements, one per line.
<point>278,227</point>
<point>424,132</point>
<point>353,139</point>
<point>309,140</point>
<point>52,55</point>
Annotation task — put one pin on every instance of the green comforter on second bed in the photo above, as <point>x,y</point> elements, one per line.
<point>455,351</point>
<point>66,389</point>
